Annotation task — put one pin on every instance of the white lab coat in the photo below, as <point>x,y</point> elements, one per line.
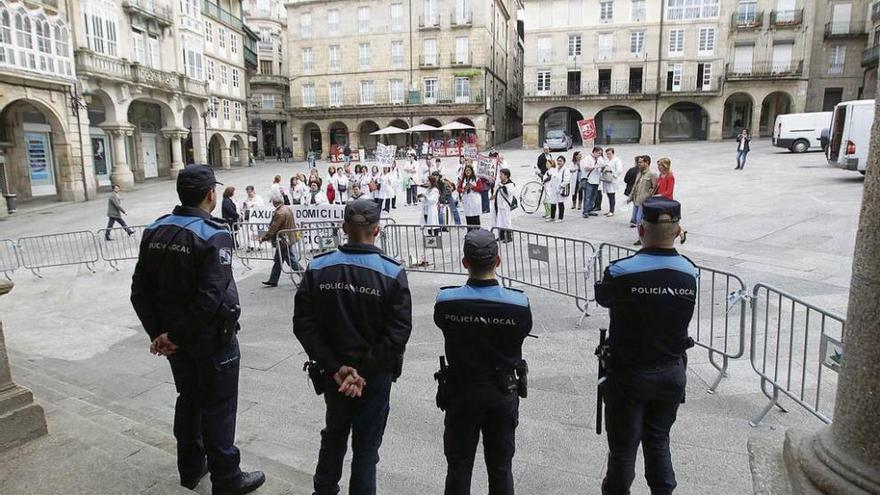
<point>616,168</point>
<point>429,207</point>
<point>557,179</point>
<point>365,186</point>
<point>502,197</point>
<point>298,192</point>
<point>341,181</point>
<point>472,202</point>
<point>591,169</point>
<point>386,191</point>
<point>319,198</point>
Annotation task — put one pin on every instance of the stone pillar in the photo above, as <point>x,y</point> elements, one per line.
<point>224,157</point>
<point>354,140</point>
<point>175,135</point>
<point>844,458</point>
<point>647,132</point>
<point>121,171</point>
<point>261,152</point>
<point>21,420</point>
<point>279,135</point>
<point>243,155</point>
<point>326,144</point>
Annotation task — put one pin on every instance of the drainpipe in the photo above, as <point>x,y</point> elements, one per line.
<point>659,69</point>
<point>77,104</point>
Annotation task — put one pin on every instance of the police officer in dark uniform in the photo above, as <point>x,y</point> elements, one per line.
<point>353,316</point>
<point>484,325</point>
<point>651,297</point>
<point>187,301</point>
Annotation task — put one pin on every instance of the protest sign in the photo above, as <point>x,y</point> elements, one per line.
<point>385,154</point>
<point>486,166</point>
<point>587,128</point>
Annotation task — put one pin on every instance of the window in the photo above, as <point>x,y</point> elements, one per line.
<point>225,109</point>
<point>211,71</point>
<point>99,30</point>
<point>746,12</point>
<point>705,81</point>
<point>462,50</point>
<point>233,42</point>
<point>334,61</point>
<point>397,54</point>
<point>224,71</point>
<point>209,31</point>
<point>575,11</point>
<point>396,16</point>
<point>363,20</point>
<point>190,8</point>
<point>335,94</point>
<point>266,67</point>
<point>742,59</point>
<point>676,42</point>
<point>213,103</point>
<point>673,77</point>
<point>308,94</point>
<point>192,56</point>
<point>637,10</point>
<point>574,46</point>
<point>307,59</point>
<point>782,58</point>
<point>605,48</point>
<point>237,107</point>
<point>543,82</point>
<point>837,58</point>
<point>462,89</point>
<point>221,38</point>
<point>305,25</point>
<point>366,92</point>
<point>606,10</point>
<point>691,9</point>
<point>707,41</point>
<point>268,102</point>
<point>333,22</point>
<point>636,42</point>
<point>545,49</point>
<point>429,47</point>
<point>431,18</point>
<point>153,51</point>
<point>138,47</point>
<point>430,90</point>
<point>235,78</point>
<point>364,55</point>
<point>395,88</point>
<point>462,14</point>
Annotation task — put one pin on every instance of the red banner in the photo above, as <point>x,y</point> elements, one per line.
<point>587,127</point>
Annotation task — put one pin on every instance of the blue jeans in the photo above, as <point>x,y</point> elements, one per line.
<point>632,217</point>
<point>453,205</point>
<point>365,418</point>
<point>591,192</point>
<point>282,255</point>
<point>637,214</point>
<point>484,197</point>
<point>741,158</point>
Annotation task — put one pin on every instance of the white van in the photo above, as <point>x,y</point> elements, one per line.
<point>799,132</point>
<point>850,135</point>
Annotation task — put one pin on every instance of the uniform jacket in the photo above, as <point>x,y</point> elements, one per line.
<point>114,206</point>
<point>651,296</point>
<point>282,219</point>
<point>484,325</point>
<point>183,276</point>
<point>353,307</point>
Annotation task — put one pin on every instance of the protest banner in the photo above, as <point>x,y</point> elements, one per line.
<point>470,151</point>
<point>385,154</point>
<point>587,128</point>
<point>486,166</point>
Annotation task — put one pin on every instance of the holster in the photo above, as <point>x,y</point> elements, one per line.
<point>506,381</point>
<point>316,375</point>
<point>442,377</point>
<point>227,324</point>
<point>522,379</point>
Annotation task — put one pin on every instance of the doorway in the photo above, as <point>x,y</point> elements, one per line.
<point>574,82</point>
<point>101,159</point>
<point>41,166</point>
<point>148,155</point>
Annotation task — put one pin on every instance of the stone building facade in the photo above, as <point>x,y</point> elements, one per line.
<point>871,54</point>
<point>359,66</point>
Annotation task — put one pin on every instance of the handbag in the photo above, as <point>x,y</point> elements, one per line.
<point>565,191</point>
<point>607,176</point>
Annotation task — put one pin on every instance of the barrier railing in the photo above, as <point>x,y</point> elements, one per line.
<point>719,321</point>
<point>121,246</point>
<point>9,261</point>
<point>792,343</point>
<point>68,248</point>
<point>426,248</point>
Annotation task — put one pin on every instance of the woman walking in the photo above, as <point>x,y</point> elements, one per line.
<point>558,180</point>
<point>742,148</point>
<point>610,176</point>
<point>471,187</point>
<point>504,202</point>
<point>666,182</point>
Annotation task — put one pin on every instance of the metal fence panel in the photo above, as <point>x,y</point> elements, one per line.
<point>68,248</point>
<point>120,246</point>
<point>426,248</point>
<point>796,349</point>
<point>9,261</point>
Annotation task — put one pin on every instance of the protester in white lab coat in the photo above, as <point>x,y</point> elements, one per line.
<point>315,196</point>
<point>430,200</point>
<point>558,187</point>
<point>410,181</point>
<point>470,188</point>
<point>386,189</point>
<point>342,185</point>
<point>504,201</point>
<point>298,189</point>
<point>253,201</point>
<point>611,173</point>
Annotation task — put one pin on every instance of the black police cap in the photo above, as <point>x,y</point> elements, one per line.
<point>362,211</point>
<point>655,206</point>
<point>480,244</point>
<point>196,177</point>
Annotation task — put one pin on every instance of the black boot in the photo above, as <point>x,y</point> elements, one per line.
<point>247,483</point>
<point>192,483</point>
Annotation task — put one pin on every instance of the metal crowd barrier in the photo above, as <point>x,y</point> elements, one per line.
<point>9,261</point>
<point>122,246</point>
<point>426,248</point>
<point>248,246</point>
<point>561,265</point>
<point>719,321</point>
<point>793,342</point>
<point>69,248</point>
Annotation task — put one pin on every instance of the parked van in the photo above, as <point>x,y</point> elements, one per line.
<point>850,135</point>
<point>799,132</point>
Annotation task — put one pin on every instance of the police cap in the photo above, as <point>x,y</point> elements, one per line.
<point>480,244</point>
<point>655,206</point>
<point>362,212</point>
<point>196,177</point>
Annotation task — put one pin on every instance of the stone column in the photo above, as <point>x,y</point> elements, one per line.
<point>243,156</point>
<point>844,458</point>
<point>21,420</point>
<point>224,157</point>
<point>261,152</point>
<point>279,135</point>
<point>175,135</point>
<point>121,171</point>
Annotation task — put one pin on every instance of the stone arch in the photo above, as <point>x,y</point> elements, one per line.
<point>564,118</point>
<point>684,121</point>
<point>169,117</point>
<point>102,103</point>
<point>338,134</point>
<point>465,120</point>
<point>216,148</point>
<point>365,140</point>
<point>431,121</point>
<point>618,124</point>
<point>774,104</point>
<point>312,139</point>
<point>238,150</point>
<point>739,111</point>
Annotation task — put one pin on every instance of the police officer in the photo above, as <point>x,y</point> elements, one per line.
<point>484,325</point>
<point>651,298</point>
<point>186,299</point>
<point>353,316</point>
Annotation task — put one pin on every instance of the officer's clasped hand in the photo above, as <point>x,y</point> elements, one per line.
<point>162,346</point>
<point>351,384</point>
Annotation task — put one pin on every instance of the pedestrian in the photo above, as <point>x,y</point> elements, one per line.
<point>430,204</point>
<point>330,184</point>
<point>425,149</point>
<point>341,185</point>
<point>185,296</point>
<point>609,131</point>
<point>481,388</point>
<point>644,187</point>
<point>557,182</point>
<point>287,154</point>
<point>743,140</point>
<point>630,180</point>
<point>666,182</point>
<point>278,153</point>
<point>386,189</point>
<point>410,172</point>
<point>315,176</point>
<point>298,189</point>
<point>592,170</point>
<point>277,190</point>
<point>471,187</point>
<point>447,199</point>
<point>395,183</point>
<point>651,297</point>
<point>346,154</point>
<point>115,212</point>
<point>611,171</point>
<point>315,196</point>
<point>282,219</point>
<point>312,158</point>
<point>578,191</point>
<point>252,201</point>
<point>228,210</point>
<point>504,202</point>
<point>500,162</point>
<point>353,316</point>
<point>545,159</point>
<point>356,193</point>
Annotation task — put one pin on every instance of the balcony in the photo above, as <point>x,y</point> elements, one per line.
<point>429,22</point>
<point>786,18</point>
<point>793,69</point>
<point>250,58</point>
<point>619,88</point>
<point>99,66</point>
<point>351,99</point>
<point>870,57</point>
<point>426,62</point>
<point>461,18</point>
<point>836,30</point>
<point>689,85</point>
<point>461,59</point>
<point>269,80</point>
<point>266,47</point>
<point>150,10</point>
<point>743,21</point>
<point>220,14</point>
<point>875,12</point>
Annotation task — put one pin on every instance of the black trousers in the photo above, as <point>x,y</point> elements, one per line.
<point>560,207</point>
<point>474,410</point>
<point>640,407</point>
<point>204,416</point>
<point>412,193</point>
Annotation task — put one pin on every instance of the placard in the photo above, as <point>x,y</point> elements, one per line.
<point>385,154</point>
<point>587,128</point>
<point>487,166</point>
